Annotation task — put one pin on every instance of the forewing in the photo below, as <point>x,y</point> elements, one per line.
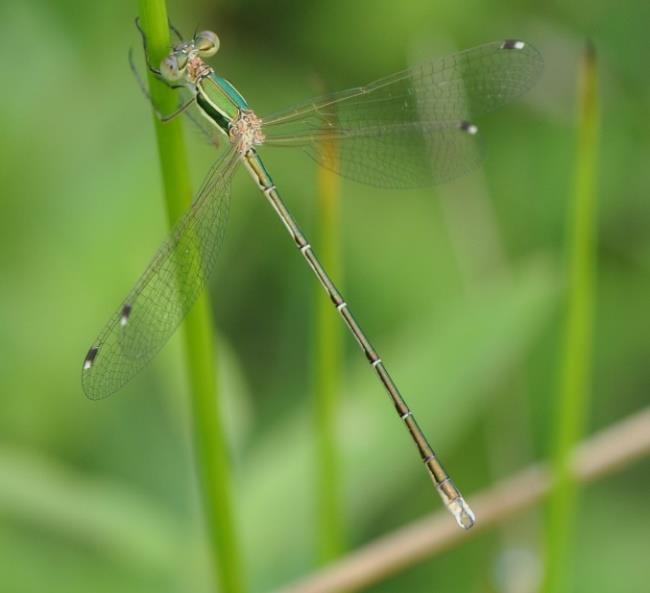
<point>414,127</point>
<point>163,295</point>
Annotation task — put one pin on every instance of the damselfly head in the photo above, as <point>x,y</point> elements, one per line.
<point>206,43</point>
<point>186,59</point>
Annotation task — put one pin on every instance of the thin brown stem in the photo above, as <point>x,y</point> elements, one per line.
<point>609,450</point>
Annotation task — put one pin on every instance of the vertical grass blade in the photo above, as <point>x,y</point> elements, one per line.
<point>327,368</point>
<point>209,438</point>
<point>573,403</point>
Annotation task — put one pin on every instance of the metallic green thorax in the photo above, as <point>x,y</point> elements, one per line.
<point>229,90</point>
<point>219,100</point>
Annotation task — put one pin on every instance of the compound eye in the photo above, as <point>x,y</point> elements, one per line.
<point>207,43</point>
<point>170,68</point>
<point>173,66</point>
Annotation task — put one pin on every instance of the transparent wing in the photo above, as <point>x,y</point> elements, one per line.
<point>411,128</point>
<point>163,295</point>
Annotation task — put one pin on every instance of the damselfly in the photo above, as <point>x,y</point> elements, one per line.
<point>410,129</point>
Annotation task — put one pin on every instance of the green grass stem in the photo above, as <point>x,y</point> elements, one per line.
<point>209,439</point>
<point>327,370</point>
<point>575,366</point>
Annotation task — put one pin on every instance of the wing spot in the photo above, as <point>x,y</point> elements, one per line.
<point>513,44</point>
<point>90,357</point>
<point>468,127</point>
<point>124,316</point>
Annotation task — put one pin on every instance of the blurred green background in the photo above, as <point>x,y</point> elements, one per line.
<point>460,288</point>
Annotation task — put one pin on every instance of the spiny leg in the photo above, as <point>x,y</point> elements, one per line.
<point>153,69</point>
<point>161,116</point>
<point>172,28</point>
<point>175,31</point>
<point>140,81</point>
<point>174,114</point>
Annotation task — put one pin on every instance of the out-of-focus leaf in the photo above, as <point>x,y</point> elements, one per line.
<point>99,513</point>
<point>447,371</point>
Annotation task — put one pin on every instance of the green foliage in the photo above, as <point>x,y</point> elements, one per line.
<point>572,405</point>
<point>213,467</point>
<point>102,496</point>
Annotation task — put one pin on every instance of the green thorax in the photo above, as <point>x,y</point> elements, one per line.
<point>217,93</point>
